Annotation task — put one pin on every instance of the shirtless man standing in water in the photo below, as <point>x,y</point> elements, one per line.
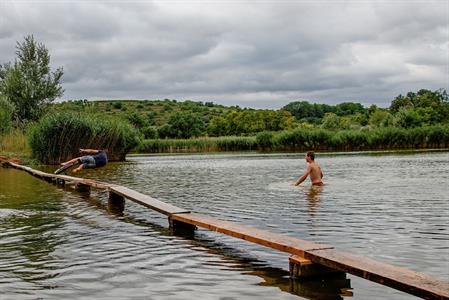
<point>313,169</point>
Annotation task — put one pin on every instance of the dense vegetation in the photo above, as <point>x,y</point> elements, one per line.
<point>28,88</point>
<point>57,137</point>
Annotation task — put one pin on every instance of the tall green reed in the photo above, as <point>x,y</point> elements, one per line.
<point>58,137</point>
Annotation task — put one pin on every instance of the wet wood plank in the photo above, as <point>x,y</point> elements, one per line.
<point>300,260</point>
<point>411,282</point>
<point>418,284</point>
<point>145,200</point>
<point>272,240</point>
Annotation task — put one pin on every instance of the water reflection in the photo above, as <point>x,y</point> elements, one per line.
<point>313,197</point>
<point>390,208</point>
<point>28,231</point>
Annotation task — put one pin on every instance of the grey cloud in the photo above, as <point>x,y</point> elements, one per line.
<point>259,54</point>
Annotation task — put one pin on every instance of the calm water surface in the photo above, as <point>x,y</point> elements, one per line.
<point>56,243</point>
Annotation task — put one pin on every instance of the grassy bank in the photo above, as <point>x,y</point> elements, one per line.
<point>14,144</point>
<point>431,137</point>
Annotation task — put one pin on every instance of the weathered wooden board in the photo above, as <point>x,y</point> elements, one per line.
<point>89,182</point>
<point>262,237</point>
<point>411,282</point>
<point>145,200</point>
<point>420,285</point>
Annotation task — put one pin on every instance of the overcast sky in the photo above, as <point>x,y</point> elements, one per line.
<point>261,54</point>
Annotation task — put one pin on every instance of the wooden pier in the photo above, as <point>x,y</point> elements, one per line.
<point>306,258</point>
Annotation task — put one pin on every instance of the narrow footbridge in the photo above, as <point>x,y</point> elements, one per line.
<point>306,258</point>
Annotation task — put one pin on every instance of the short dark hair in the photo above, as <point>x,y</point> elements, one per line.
<point>311,154</point>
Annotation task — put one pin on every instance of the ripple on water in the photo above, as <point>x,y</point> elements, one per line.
<point>57,244</point>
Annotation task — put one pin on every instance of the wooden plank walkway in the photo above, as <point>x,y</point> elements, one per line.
<point>145,200</point>
<point>411,282</point>
<point>306,252</point>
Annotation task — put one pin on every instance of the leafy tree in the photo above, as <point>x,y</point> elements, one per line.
<point>408,118</point>
<point>149,132</point>
<point>6,111</point>
<point>29,83</point>
<point>303,110</point>
<point>185,125</point>
<point>422,98</point>
<point>218,126</point>
<point>117,105</point>
<point>349,108</point>
<point>164,131</point>
<point>331,121</point>
<point>137,120</point>
<point>379,118</point>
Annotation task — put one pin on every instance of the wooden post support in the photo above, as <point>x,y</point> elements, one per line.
<point>116,203</point>
<point>181,228</point>
<point>82,188</point>
<point>301,267</point>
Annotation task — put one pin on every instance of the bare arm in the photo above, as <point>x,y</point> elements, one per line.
<point>89,151</point>
<point>304,176</point>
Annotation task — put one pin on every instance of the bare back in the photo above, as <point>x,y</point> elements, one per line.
<point>315,172</point>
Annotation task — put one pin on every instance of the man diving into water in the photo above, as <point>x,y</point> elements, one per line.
<point>313,169</point>
<point>93,159</point>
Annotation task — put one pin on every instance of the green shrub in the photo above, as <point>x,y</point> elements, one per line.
<point>149,132</point>
<point>117,105</point>
<point>58,137</point>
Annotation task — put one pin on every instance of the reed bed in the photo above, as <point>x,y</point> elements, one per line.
<point>58,137</point>
<point>301,139</point>
<point>204,144</point>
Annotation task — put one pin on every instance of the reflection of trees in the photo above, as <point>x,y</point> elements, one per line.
<point>34,239</point>
<point>29,235</point>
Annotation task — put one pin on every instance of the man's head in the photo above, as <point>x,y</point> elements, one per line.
<point>310,156</point>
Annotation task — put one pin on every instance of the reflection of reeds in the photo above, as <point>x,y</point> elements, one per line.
<point>317,139</point>
<point>58,137</point>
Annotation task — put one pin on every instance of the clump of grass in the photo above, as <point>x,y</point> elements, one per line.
<point>58,137</point>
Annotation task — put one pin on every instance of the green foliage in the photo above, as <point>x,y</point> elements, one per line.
<point>331,121</point>
<point>29,83</point>
<point>437,100</point>
<point>6,112</point>
<point>379,118</point>
<point>117,105</point>
<point>349,108</point>
<point>233,143</point>
<point>303,110</point>
<point>204,144</point>
<point>265,140</point>
<point>408,118</point>
<point>184,125</point>
<point>149,132</point>
<point>137,120</point>
<point>57,137</point>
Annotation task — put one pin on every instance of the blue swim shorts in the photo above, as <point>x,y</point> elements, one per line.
<point>87,161</point>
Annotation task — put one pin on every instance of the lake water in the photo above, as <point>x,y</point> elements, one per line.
<point>58,244</point>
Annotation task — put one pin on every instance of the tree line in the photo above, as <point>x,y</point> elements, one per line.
<point>28,88</point>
